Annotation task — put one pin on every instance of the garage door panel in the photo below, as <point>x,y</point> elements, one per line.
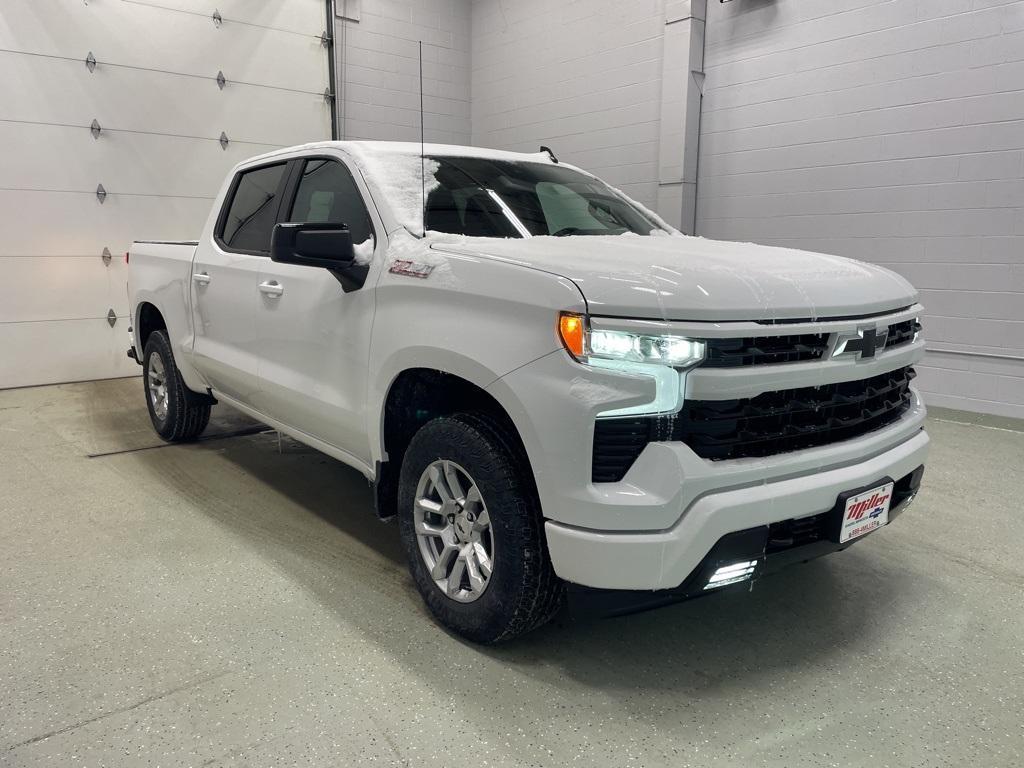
<point>75,350</point>
<point>300,16</point>
<point>62,224</point>
<point>62,287</point>
<point>122,162</point>
<point>51,91</point>
<point>124,36</point>
<point>158,154</point>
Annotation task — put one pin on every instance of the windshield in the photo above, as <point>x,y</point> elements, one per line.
<point>481,197</point>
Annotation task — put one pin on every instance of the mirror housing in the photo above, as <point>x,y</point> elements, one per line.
<point>327,245</point>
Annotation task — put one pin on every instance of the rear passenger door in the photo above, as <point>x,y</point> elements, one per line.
<point>314,336</point>
<point>225,282</point>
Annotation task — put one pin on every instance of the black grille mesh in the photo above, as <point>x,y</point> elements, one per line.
<point>765,350</point>
<point>902,333</point>
<point>769,424</point>
<point>797,348</point>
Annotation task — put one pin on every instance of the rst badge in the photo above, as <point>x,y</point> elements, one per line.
<point>411,268</point>
<point>865,512</point>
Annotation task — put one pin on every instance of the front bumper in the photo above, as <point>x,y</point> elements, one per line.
<point>665,559</point>
<point>772,548</point>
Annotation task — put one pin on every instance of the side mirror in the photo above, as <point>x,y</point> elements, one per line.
<point>312,245</point>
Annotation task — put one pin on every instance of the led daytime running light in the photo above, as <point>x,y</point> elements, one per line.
<point>641,348</point>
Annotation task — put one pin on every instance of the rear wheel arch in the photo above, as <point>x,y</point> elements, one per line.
<point>148,319</point>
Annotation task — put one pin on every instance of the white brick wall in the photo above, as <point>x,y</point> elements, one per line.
<point>378,65</point>
<point>581,77</point>
<point>891,131</point>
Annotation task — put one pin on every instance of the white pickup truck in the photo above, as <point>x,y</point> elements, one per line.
<point>551,389</point>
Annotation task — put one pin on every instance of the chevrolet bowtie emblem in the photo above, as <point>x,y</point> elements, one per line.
<point>864,342</point>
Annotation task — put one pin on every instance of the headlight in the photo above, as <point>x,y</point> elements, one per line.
<point>586,344</point>
<point>663,358</point>
<point>676,351</point>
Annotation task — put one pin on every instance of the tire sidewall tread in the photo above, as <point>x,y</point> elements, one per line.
<point>185,420</point>
<point>523,591</point>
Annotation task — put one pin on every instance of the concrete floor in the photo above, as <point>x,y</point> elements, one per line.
<point>224,604</point>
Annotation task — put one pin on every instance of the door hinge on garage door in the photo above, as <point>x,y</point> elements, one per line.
<point>112,317</point>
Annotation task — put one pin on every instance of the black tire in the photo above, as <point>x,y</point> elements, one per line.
<point>523,591</point>
<point>187,413</point>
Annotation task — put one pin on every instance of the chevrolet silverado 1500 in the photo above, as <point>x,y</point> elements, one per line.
<point>552,390</point>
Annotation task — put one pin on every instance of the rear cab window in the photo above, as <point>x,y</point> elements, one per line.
<point>250,211</point>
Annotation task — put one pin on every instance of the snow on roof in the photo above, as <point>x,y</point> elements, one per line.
<point>392,169</point>
<point>393,172</point>
<point>407,148</point>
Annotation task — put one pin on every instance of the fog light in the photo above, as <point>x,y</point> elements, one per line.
<point>731,574</point>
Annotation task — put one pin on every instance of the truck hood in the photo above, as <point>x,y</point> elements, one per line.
<point>690,278</point>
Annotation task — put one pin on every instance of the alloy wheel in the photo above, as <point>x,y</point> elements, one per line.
<point>453,531</point>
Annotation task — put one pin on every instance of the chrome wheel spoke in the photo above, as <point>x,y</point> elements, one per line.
<point>454,486</point>
<point>453,531</point>
<point>477,582</point>
<point>438,483</point>
<point>483,560</point>
<point>424,528</point>
<point>156,383</point>
<point>455,577</point>
<point>429,506</point>
<point>440,570</point>
<point>482,522</point>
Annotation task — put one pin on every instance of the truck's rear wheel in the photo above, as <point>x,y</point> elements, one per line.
<point>473,534</point>
<point>173,409</point>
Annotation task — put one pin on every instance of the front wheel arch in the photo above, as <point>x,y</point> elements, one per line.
<point>415,397</point>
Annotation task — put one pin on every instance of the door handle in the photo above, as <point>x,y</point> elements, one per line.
<point>272,288</point>
<point>201,277</point>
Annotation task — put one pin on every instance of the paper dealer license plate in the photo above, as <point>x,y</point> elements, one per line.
<point>865,512</point>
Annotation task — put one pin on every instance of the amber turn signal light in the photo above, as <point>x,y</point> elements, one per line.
<point>571,329</point>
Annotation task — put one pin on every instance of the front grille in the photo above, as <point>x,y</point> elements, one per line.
<point>765,350</point>
<point>769,424</point>
<point>902,333</point>
<point>788,420</point>
<point>795,348</point>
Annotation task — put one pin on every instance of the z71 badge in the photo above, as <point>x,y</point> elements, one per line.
<point>411,268</point>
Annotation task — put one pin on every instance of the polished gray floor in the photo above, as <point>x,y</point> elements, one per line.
<point>234,602</point>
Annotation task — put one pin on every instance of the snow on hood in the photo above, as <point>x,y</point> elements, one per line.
<point>690,278</point>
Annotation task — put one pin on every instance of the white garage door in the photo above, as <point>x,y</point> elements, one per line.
<point>160,111</point>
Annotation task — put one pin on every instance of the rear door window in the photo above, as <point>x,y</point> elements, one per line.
<point>252,213</point>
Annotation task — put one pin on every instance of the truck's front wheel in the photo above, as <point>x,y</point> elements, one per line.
<point>472,530</point>
<point>173,409</point>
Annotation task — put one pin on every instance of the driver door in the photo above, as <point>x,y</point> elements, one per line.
<point>314,337</point>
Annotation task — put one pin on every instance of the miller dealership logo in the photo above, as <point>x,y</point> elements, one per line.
<point>864,342</point>
<point>876,504</point>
